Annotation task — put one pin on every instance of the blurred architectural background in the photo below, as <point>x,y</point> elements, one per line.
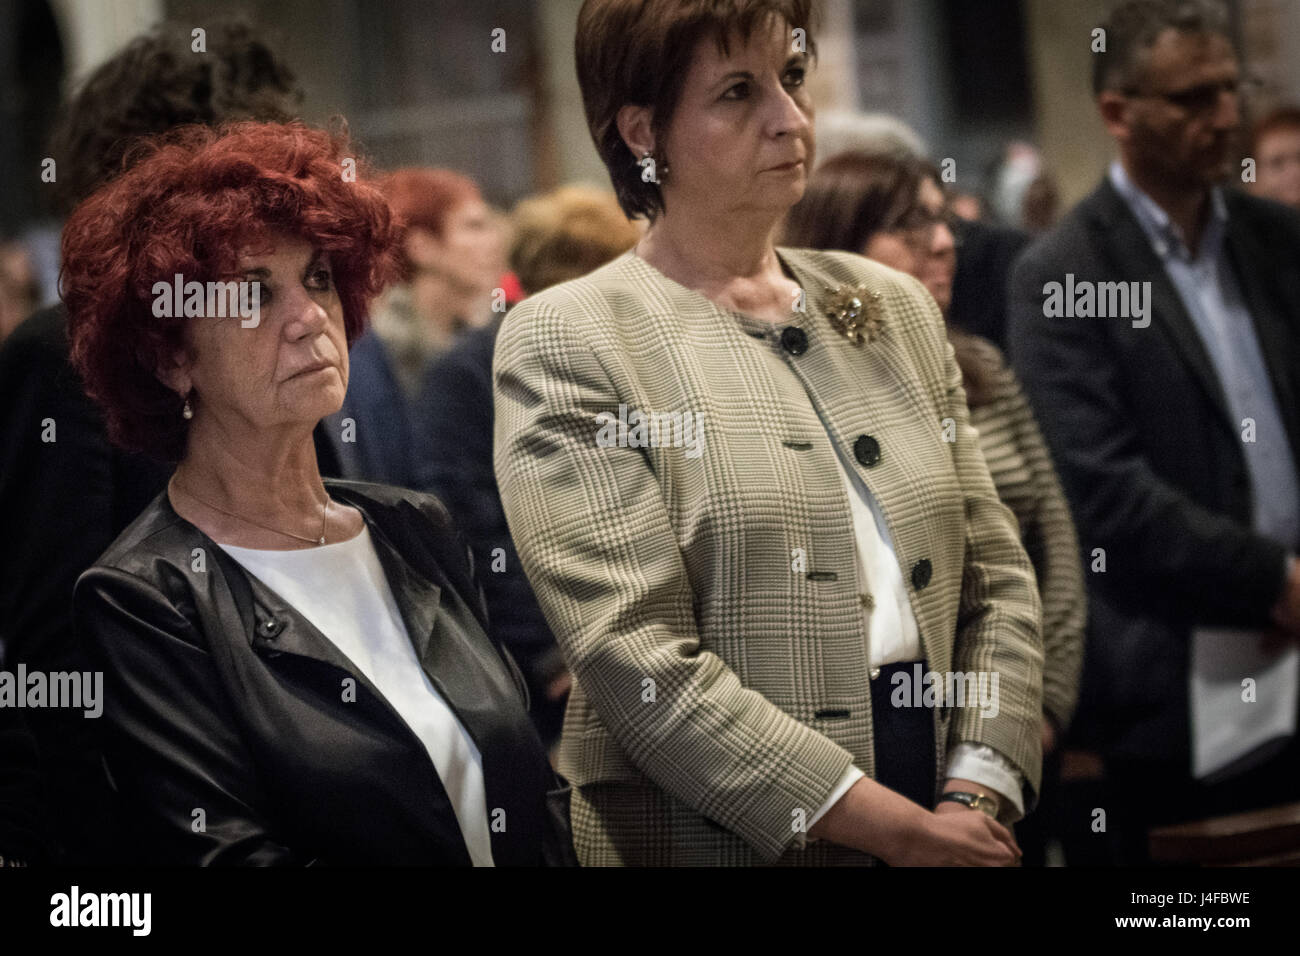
<point>418,80</point>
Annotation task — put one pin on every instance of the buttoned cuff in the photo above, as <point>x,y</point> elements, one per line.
<point>983,764</point>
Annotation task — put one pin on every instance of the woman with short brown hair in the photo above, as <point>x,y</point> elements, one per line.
<point>743,484</point>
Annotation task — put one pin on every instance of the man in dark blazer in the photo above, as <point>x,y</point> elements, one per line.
<point>1172,407</point>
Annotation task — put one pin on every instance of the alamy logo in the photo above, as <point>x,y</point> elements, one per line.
<point>1098,300</point>
<point>75,908</point>
<point>72,689</point>
<point>932,689</point>
<point>212,300</point>
<point>637,429</point>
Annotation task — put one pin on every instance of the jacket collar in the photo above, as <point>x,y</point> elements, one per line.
<point>817,284</point>
<point>274,626</point>
<point>1125,245</point>
<point>417,597</point>
<point>453,650</point>
<point>1162,232</point>
<point>1122,243</point>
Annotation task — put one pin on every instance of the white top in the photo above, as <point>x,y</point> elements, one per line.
<point>893,637</point>
<point>341,588</point>
<point>892,634</point>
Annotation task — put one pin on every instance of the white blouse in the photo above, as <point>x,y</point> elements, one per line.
<point>342,590</point>
<point>893,636</point>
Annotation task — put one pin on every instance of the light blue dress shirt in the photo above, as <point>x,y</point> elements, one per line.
<point>1209,291</point>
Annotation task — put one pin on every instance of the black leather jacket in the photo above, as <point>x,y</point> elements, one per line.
<point>229,734</point>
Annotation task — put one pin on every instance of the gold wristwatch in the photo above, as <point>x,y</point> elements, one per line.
<point>976,801</point>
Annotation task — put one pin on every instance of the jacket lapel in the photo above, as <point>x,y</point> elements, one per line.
<point>465,668</point>
<point>271,625</point>
<point>470,674</point>
<point>453,666</point>
<point>418,598</point>
<point>1120,240</point>
<point>275,627</point>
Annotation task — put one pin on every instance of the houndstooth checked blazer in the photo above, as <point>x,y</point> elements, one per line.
<point>719,693</point>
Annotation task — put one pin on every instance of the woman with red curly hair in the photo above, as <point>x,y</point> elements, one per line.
<point>297,670</point>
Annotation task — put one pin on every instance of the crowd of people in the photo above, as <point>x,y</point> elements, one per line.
<point>368,581</point>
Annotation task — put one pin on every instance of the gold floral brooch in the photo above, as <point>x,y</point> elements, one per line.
<point>857,313</point>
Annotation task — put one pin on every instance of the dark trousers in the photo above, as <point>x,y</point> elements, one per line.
<point>1043,823</point>
<point>904,738</point>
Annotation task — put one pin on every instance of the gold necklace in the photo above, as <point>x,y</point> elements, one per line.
<point>206,504</point>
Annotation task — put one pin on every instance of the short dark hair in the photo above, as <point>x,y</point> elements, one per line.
<point>853,196</point>
<point>188,202</point>
<point>1133,27</point>
<point>156,83</point>
<point>638,52</point>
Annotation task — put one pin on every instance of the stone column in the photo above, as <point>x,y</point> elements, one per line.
<point>93,30</point>
<point>1069,131</point>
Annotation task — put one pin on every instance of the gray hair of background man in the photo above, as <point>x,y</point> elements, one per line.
<point>844,131</point>
<point>1133,27</point>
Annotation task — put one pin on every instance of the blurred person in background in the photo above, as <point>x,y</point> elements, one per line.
<point>18,288</point>
<point>453,257</point>
<point>222,681</point>
<point>1040,207</point>
<point>1023,194</point>
<point>892,209</point>
<point>1171,404</point>
<point>966,205</point>
<point>1275,147</point>
<point>65,491</point>
<point>847,131</point>
<point>985,253</point>
<point>452,263</point>
<point>558,236</point>
<point>985,249</point>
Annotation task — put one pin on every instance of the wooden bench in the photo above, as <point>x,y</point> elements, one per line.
<point>1268,837</point>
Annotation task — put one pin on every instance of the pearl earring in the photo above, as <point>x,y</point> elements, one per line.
<point>187,412</point>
